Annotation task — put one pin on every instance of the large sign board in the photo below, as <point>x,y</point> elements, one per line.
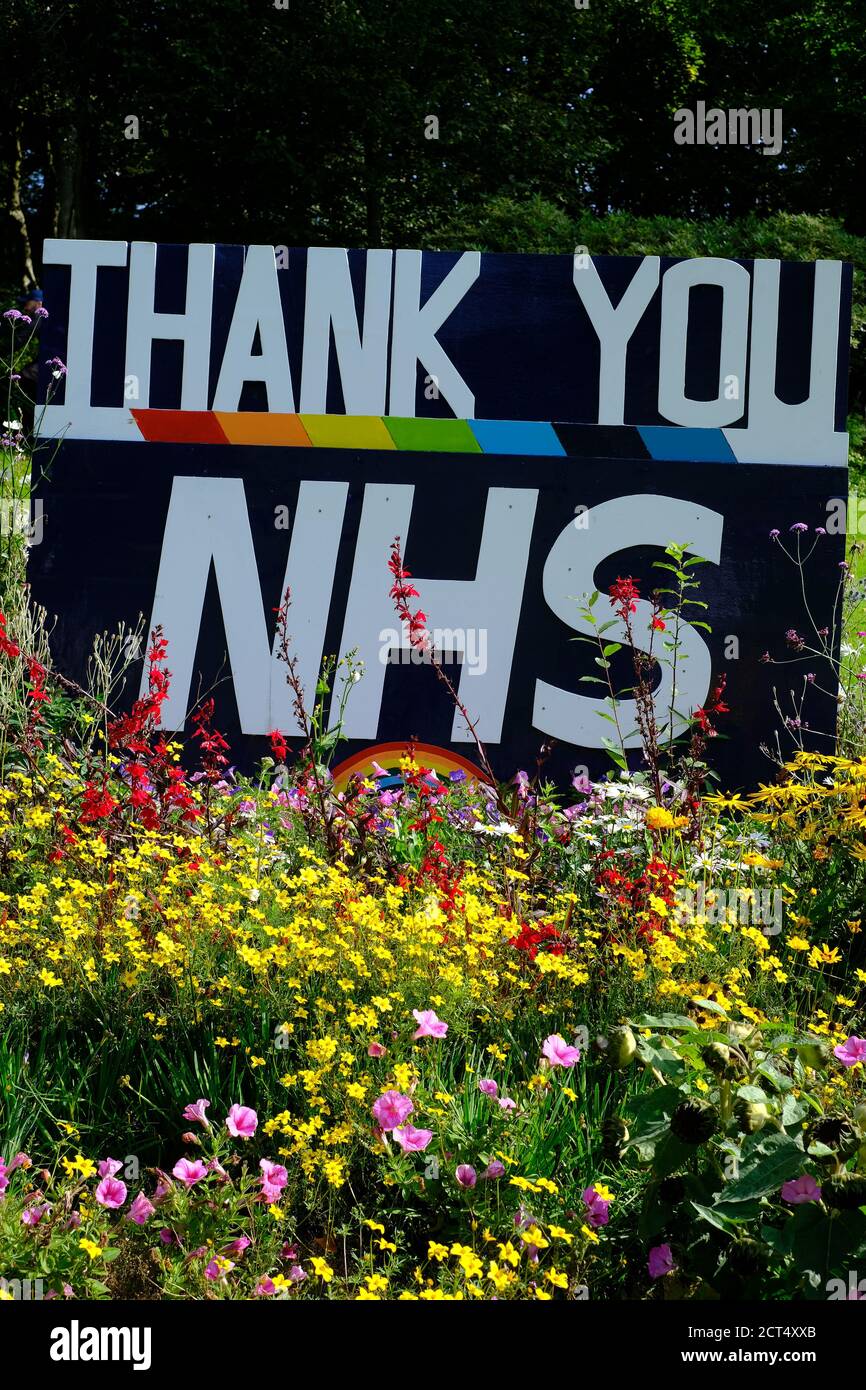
<point>235,421</point>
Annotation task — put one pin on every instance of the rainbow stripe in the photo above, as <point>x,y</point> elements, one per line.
<point>532,438</point>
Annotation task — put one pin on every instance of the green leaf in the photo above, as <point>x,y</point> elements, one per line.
<point>825,1244</point>
<point>652,1113</point>
<point>672,1021</point>
<point>752,1093</point>
<point>671,1153</point>
<point>714,1217</point>
<point>771,1073</point>
<point>781,1158</point>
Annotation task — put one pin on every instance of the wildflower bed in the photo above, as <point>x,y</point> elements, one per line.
<point>462,1055</point>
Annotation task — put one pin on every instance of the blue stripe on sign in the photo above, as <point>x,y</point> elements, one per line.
<point>678,444</point>
<point>516,436</point>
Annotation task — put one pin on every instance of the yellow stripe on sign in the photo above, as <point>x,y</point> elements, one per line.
<point>347,432</point>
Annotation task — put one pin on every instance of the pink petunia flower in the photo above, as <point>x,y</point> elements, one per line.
<point>265,1287</point>
<point>392,1109</point>
<point>31,1216</point>
<point>141,1210</point>
<point>494,1169</point>
<point>802,1189</point>
<point>189,1171</point>
<point>488,1087</point>
<point>506,1103</point>
<point>851,1052</point>
<point>195,1111</point>
<point>242,1122</point>
<point>111,1192</point>
<point>466,1175</point>
<point>558,1052</point>
<point>429,1026</point>
<point>376,1050</point>
<point>109,1166</point>
<point>412,1140</point>
<point>597,1209</point>
<point>660,1261</point>
<point>218,1269</point>
<point>274,1179</point>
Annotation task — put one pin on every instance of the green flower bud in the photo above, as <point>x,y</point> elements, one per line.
<point>725,1061</point>
<point>740,1031</point>
<point>844,1192</point>
<point>694,1121</point>
<point>614,1136</point>
<point>621,1046</point>
<point>751,1115</point>
<point>717,1057</point>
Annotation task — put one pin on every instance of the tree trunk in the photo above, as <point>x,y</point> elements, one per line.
<point>19,216</point>
<point>66,158</point>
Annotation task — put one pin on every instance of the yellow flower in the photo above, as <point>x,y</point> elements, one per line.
<point>557,1278</point>
<point>470,1264</point>
<point>508,1253</point>
<point>90,1248</point>
<point>500,1278</point>
<point>535,1236</point>
<point>435,1251</point>
<point>559,1233</point>
<point>322,1269</point>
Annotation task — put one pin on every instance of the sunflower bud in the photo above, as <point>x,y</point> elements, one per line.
<point>751,1115</point>
<point>694,1121</point>
<point>747,1257</point>
<point>844,1192</point>
<point>836,1133</point>
<point>621,1046</point>
<point>717,1057</point>
<point>725,1061</point>
<point>614,1137</point>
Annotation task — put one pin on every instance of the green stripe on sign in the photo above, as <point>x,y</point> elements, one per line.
<point>427,436</point>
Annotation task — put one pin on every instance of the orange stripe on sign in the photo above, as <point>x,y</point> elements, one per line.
<point>179,426</point>
<point>259,427</point>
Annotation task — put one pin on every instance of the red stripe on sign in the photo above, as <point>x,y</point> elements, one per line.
<point>179,426</point>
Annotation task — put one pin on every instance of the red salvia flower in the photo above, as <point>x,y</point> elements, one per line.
<point>623,596</point>
<point>7,646</point>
